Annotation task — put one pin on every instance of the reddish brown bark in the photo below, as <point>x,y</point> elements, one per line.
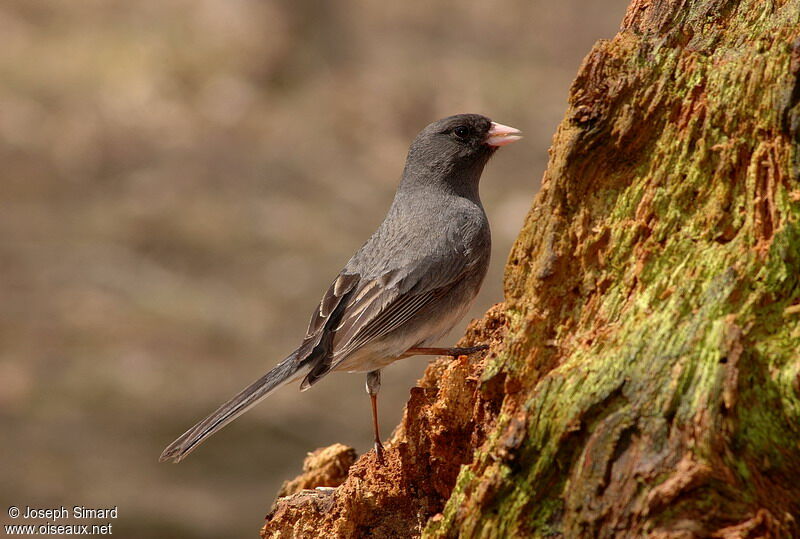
<point>448,414</point>
<point>644,372</point>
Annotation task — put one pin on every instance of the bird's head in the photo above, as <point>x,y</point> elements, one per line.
<point>456,148</point>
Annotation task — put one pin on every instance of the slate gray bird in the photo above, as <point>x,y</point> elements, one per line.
<point>406,287</point>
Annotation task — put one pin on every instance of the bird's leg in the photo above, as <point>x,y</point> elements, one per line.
<point>454,352</point>
<point>373,386</point>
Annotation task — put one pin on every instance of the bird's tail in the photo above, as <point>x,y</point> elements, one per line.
<point>286,371</point>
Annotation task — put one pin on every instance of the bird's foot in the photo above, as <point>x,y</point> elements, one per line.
<point>379,452</point>
<point>453,352</point>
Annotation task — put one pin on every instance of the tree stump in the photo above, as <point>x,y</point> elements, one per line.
<point>644,372</point>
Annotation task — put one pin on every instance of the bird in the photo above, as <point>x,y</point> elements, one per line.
<point>411,282</point>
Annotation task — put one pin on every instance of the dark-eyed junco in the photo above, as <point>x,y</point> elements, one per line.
<point>409,284</point>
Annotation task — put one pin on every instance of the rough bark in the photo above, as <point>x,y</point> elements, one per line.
<point>644,373</point>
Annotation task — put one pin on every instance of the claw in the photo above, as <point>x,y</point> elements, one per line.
<point>379,452</point>
<point>455,352</point>
<point>452,352</point>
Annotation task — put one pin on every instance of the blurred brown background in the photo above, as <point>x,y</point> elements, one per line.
<point>180,182</point>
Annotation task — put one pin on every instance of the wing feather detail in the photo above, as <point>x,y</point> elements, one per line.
<point>371,315</point>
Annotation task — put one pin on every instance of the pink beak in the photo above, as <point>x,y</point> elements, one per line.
<point>500,135</point>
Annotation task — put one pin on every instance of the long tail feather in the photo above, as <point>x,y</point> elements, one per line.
<point>283,373</point>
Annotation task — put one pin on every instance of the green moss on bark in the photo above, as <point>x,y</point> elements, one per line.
<point>653,293</point>
<point>643,376</point>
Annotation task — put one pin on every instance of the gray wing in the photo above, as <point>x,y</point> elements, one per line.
<point>397,273</point>
<point>375,307</point>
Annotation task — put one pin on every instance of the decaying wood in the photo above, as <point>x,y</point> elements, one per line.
<point>644,373</point>
<point>326,467</point>
<point>448,414</point>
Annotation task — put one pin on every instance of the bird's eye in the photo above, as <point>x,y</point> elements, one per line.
<point>461,131</point>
